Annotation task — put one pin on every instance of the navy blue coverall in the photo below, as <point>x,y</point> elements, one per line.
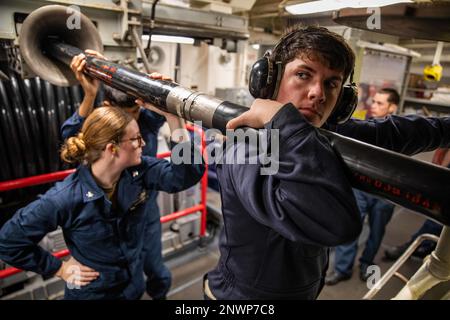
<point>277,228</point>
<point>109,241</point>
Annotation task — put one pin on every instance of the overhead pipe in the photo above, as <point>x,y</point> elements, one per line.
<point>138,43</point>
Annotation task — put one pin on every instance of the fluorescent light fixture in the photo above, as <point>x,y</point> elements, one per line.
<point>256,46</point>
<point>374,3</point>
<point>314,7</point>
<point>331,5</point>
<point>171,39</point>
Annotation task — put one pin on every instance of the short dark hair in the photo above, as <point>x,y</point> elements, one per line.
<point>315,42</point>
<point>393,96</point>
<point>117,98</point>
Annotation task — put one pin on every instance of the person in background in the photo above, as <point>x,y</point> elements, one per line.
<point>101,209</point>
<point>159,278</point>
<point>384,103</point>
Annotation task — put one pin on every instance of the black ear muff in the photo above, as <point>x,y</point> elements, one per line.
<point>265,79</point>
<point>263,76</point>
<point>346,104</point>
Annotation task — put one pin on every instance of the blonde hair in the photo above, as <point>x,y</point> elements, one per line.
<point>104,125</point>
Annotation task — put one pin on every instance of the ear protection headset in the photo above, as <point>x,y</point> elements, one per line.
<point>265,79</point>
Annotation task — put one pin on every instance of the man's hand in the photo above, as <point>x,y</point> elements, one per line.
<point>260,113</point>
<point>76,274</point>
<point>90,85</point>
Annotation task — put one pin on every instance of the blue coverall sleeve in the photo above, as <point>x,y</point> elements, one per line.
<point>152,120</point>
<point>72,126</point>
<point>408,134</point>
<point>309,199</point>
<point>174,176</point>
<point>19,238</point>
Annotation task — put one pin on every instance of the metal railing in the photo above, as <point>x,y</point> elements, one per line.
<point>394,269</point>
